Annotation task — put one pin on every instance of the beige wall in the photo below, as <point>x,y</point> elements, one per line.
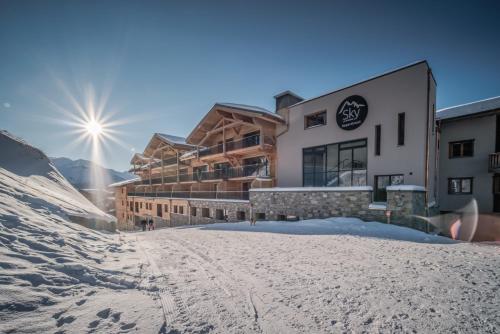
<point>402,91</point>
<point>482,130</point>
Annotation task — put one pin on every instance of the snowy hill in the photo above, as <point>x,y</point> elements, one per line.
<point>47,260</point>
<point>29,180</point>
<point>77,172</point>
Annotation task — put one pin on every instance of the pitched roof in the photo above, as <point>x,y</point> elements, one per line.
<point>469,109</point>
<point>243,109</point>
<point>172,139</point>
<point>246,107</point>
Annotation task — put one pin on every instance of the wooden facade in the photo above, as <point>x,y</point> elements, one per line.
<point>230,151</point>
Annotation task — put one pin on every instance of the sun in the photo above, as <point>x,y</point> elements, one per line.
<point>94,128</point>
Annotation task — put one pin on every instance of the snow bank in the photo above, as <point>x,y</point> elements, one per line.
<point>46,260</point>
<point>333,226</point>
<point>28,176</point>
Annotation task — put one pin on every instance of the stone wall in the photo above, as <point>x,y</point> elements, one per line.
<point>405,205</point>
<point>232,207</point>
<point>308,203</point>
<point>229,207</point>
<point>315,203</point>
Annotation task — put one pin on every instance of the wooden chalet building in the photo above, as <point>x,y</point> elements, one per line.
<point>205,177</point>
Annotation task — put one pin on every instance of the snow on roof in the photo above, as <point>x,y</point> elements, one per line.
<point>173,139</point>
<point>363,81</point>
<point>187,155</point>
<point>124,182</point>
<point>469,109</point>
<point>250,108</point>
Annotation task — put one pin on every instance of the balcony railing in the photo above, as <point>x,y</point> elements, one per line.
<point>234,145</point>
<point>222,195</point>
<point>256,170</point>
<point>494,162</point>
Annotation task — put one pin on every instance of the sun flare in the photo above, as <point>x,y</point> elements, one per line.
<point>94,128</point>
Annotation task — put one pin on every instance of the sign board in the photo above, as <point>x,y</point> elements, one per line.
<point>352,112</point>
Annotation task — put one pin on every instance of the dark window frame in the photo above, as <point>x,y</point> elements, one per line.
<point>376,189</point>
<point>401,128</point>
<point>471,179</point>
<point>378,139</point>
<point>315,114</point>
<point>461,143</point>
<point>339,149</point>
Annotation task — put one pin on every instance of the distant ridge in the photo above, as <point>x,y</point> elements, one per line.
<point>77,172</point>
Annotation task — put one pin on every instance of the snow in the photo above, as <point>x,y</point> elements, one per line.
<point>122,183</point>
<point>405,187</point>
<point>321,276</point>
<point>54,273</point>
<point>312,276</point>
<point>173,139</point>
<point>250,108</point>
<point>377,206</point>
<point>469,108</point>
<point>301,189</point>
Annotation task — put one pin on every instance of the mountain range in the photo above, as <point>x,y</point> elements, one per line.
<point>78,172</point>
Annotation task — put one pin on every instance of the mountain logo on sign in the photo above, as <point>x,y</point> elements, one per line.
<point>352,112</point>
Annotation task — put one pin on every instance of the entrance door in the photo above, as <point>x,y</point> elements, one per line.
<point>496,193</point>
<point>382,182</point>
<point>159,211</point>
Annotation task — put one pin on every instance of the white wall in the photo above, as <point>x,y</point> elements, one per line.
<point>402,91</point>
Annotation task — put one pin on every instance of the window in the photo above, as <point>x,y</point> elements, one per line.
<point>136,206</point>
<point>378,133</point>
<point>341,164</point>
<point>181,210</point>
<point>219,214</point>
<point>459,149</point>
<point>382,182</point>
<point>401,129</point>
<point>141,205</point>
<point>205,212</point>
<point>240,215</point>
<point>175,208</point>
<point>260,216</point>
<point>460,186</point>
<point>131,206</point>
<point>193,211</point>
<point>314,120</point>
<point>165,207</point>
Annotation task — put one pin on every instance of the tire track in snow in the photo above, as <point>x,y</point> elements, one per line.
<point>255,305</point>
<point>168,300</point>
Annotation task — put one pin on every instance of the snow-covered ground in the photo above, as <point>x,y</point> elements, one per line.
<point>315,276</point>
<point>321,276</point>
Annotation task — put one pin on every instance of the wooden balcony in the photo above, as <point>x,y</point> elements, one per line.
<point>237,147</point>
<point>494,163</point>
<point>234,173</point>
<point>221,195</point>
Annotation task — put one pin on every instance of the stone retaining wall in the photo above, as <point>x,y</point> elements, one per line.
<point>405,205</point>
<point>231,209</point>
<point>308,203</point>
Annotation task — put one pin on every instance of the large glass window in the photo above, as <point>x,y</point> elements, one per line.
<point>342,164</point>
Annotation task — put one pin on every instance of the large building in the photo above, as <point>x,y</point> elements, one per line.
<point>206,176</point>
<point>469,159</point>
<point>368,150</point>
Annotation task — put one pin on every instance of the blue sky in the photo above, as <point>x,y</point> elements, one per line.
<point>163,64</point>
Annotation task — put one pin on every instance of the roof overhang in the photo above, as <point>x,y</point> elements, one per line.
<point>220,111</point>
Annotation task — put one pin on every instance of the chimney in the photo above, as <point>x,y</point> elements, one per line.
<point>286,99</point>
